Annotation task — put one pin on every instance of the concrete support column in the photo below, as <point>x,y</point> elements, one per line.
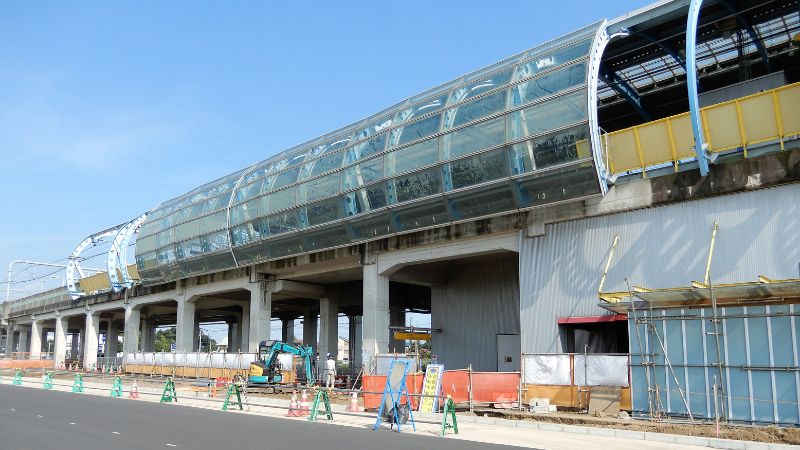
<point>196,335</point>
<point>90,344</point>
<point>310,329</point>
<point>375,324</point>
<point>22,347</point>
<point>36,340</point>
<point>59,342</point>
<point>133,318</point>
<point>81,343</point>
<point>328,327</point>
<point>112,338</point>
<point>260,315</point>
<point>354,336</point>
<point>397,318</point>
<point>287,330</point>
<point>184,328</point>
<point>9,341</point>
<point>148,334</point>
<point>244,330</point>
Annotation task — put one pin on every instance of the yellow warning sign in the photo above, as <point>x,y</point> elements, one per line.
<point>402,335</point>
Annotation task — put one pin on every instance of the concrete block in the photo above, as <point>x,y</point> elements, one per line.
<point>726,443</point>
<point>782,447</point>
<point>576,430</point>
<point>507,423</point>
<point>485,421</point>
<point>659,437</point>
<point>625,434</point>
<point>691,440</point>
<point>750,445</point>
<point>528,424</point>
<point>551,427</point>
<point>601,431</point>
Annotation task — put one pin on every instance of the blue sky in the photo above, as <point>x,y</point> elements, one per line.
<point>109,108</point>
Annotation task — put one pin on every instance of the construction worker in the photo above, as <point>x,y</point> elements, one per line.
<point>330,372</point>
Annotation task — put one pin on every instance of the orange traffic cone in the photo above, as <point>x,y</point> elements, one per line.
<point>304,408</point>
<point>353,406</point>
<point>134,394</point>
<point>294,408</point>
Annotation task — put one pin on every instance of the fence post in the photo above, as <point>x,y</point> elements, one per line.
<point>469,386</point>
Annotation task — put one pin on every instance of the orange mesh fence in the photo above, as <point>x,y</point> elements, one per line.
<point>376,383</point>
<point>26,364</point>
<point>455,383</point>
<point>495,387</point>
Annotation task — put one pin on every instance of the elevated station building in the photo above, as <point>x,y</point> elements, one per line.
<point>528,207</point>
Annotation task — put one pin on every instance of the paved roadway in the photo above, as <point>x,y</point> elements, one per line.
<point>36,419</point>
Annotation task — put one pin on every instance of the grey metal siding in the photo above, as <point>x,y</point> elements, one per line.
<point>480,301</point>
<point>759,234</point>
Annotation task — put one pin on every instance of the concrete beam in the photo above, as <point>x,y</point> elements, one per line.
<point>296,289</point>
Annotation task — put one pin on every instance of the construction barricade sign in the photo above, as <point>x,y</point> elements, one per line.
<point>430,388</point>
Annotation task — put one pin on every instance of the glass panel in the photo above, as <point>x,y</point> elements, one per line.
<point>279,249</point>
<point>188,230</point>
<point>190,248</point>
<point>285,178</point>
<point>214,242</point>
<point>326,164</point>
<point>480,86</point>
<point>214,204</point>
<point>249,191</point>
<point>479,169</point>
<point>146,244</point>
<point>549,84</point>
<point>241,235</point>
<point>411,158</point>
<point>365,173</point>
<point>283,222</point>
<point>166,255</point>
<point>327,238</point>
<point>548,150</point>
<point>366,149</point>
<point>322,187</point>
<point>214,222</point>
<point>281,199</point>
<point>474,110</point>
<point>146,261</point>
<point>324,211</point>
<point>251,254</point>
<point>420,215</point>
<point>482,202</point>
<point>549,115</point>
<point>370,227</point>
<point>417,185</point>
<point>547,60</point>
<point>166,237</point>
<point>569,182</point>
<point>473,138</point>
<point>416,130</point>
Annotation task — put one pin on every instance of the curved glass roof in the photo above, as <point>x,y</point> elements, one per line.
<point>507,137</point>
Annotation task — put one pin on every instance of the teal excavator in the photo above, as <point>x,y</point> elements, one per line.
<point>267,370</point>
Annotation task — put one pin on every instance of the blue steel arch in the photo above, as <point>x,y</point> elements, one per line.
<point>691,85</point>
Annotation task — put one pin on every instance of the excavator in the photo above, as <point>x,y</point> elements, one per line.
<point>267,371</point>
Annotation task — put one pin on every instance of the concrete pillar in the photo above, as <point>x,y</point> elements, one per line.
<point>397,318</point>
<point>82,342</point>
<point>9,341</point>
<point>310,329</point>
<point>22,346</point>
<point>36,340</point>
<point>287,330</point>
<point>59,342</point>
<point>260,315</point>
<point>328,327</point>
<point>90,343</point>
<point>244,330</point>
<point>375,322</point>
<point>148,330</point>
<point>355,341</point>
<point>184,328</point>
<point>133,318</point>
<point>196,335</point>
<point>112,338</point>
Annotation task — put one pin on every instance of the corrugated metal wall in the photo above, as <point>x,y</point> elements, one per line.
<point>480,301</point>
<point>666,246</point>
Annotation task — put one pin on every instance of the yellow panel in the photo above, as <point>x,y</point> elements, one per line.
<point>682,132</point>
<point>789,99</point>
<point>582,148</point>
<point>133,272</point>
<point>722,128</point>
<point>95,282</point>
<point>654,140</point>
<point>622,151</point>
<point>759,118</point>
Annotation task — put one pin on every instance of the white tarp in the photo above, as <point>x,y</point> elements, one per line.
<point>547,369</point>
<point>601,370</point>
<point>285,361</point>
<point>215,360</point>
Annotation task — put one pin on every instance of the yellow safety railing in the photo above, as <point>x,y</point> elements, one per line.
<point>772,115</point>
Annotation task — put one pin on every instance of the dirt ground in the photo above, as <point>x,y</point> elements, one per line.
<point>770,434</point>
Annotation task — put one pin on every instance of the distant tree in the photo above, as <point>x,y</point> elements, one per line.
<point>208,344</point>
<point>164,340</point>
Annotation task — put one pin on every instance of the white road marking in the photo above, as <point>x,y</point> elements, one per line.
<point>39,416</point>
<point>170,445</point>
<point>115,432</point>
<point>72,423</point>
<point>12,410</point>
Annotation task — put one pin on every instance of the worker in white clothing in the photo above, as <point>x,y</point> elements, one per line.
<point>330,371</point>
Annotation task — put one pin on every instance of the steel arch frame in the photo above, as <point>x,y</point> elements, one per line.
<point>118,254</point>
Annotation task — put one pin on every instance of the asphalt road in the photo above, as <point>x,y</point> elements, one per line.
<point>36,419</point>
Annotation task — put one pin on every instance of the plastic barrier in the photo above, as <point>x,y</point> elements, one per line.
<point>26,364</point>
<point>455,383</point>
<point>495,387</point>
<point>376,383</point>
